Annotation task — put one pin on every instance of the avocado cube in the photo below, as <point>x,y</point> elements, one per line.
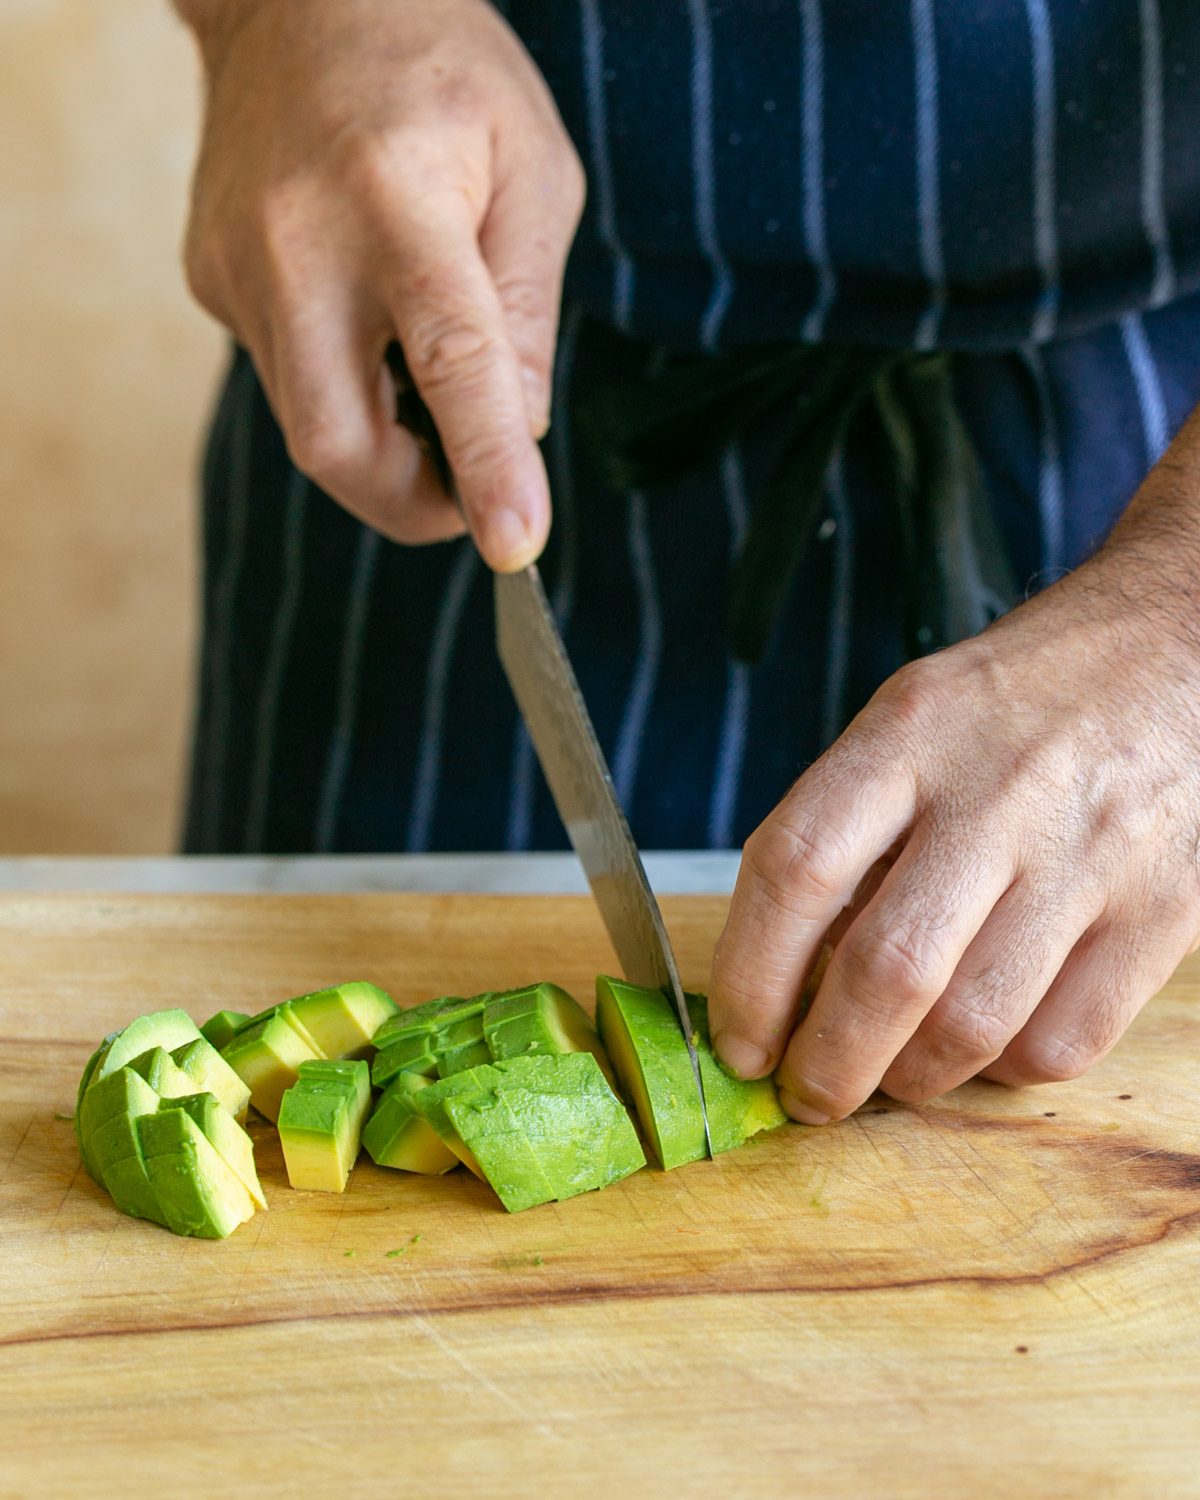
<point>167,1029</point>
<point>413,1053</point>
<point>199,1193</point>
<point>107,1121</point>
<point>267,1056</point>
<point>163,1074</point>
<point>320,1124</point>
<point>211,1074</point>
<point>430,1103</point>
<point>541,1020</point>
<point>227,1138</point>
<point>397,1135</point>
<point>85,1079</point>
<point>219,1029</point>
<point>461,1045</point>
<point>546,1128</point>
<point>343,1020</point>
<point>433,1015</point>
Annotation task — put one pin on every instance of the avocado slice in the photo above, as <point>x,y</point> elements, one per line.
<point>542,1020</point>
<point>107,1122</point>
<point>641,1031</point>
<point>163,1074</point>
<point>431,1015</point>
<point>430,1103</point>
<point>267,1055</point>
<point>85,1079</point>
<point>219,1029</point>
<point>211,1074</point>
<point>343,1020</point>
<point>198,1192</point>
<point>320,1124</point>
<point>397,1135</point>
<point>227,1138</point>
<point>737,1108</point>
<point>546,1128</point>
<point>461,1045</point>
<point>413,1053</point>
<point>650,1054</point>
<point>167,1029</point>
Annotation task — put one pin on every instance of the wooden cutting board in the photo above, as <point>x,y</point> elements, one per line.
<point>996,1294</point>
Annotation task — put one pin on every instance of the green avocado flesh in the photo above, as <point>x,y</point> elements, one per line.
<point>88,1069</point>
<point>397,1135</point>
<point>108,1123</point>
<point>228,1140</point>
<point>545,1128</point>
<point>211,1074</point>
<point>461,1045</point>
<point>413,1053</point>
<point>199,1193</point>
<point>432,1015</point>
<point>219,1029</point>
<point>343,1020</point>
<point>167,1029</point>
<point>445,1038</point>
<point>320,1124</point>
<point>431,1105</point>
<point>541,1020</point>
<point>267,1055</point>
<point>163,1074</point>
<point>641,1031</point>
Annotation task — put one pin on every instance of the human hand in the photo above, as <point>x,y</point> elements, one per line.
<point>382,169</point>
<point>1003,847</point>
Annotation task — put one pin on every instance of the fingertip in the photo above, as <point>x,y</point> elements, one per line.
<point>742,1056</point>
<point>506,540</point>
<point>802,1113</point>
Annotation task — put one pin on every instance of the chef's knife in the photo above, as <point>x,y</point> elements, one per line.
<point>539,671</point>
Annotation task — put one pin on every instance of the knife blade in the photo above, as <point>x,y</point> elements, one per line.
<point>539,671</point>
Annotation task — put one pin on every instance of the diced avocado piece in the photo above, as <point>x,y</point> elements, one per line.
<point>227,1138</point>
<point>343,1020</point>
<point>413,1053</point>
<point>397,1134</point>
<point>107,1121</point>
<point>461,1045</point>
<point>163,1074</point>
<point>211,1074</point>
<point>320,1124</point>
<point>199,1193</point>
<point>167,1029</point>
<point>431,1104</point>
<point>546,1128</point>
<point>641,1031</point>
<point>85,1078</point>
<point>432,1015</point>
<point>543,1020</point>
<point>267,1055</point>
<point>219,1029</point>
<point>737,1108</point>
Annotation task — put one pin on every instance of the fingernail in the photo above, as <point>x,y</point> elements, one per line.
<point>800,1111</point>
<point>746,1059</point>
<point>508,543</point>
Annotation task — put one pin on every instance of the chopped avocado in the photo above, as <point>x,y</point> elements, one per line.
<point>163,1074</point>
<point>227,1138</point>
<point>542,1020</point>
<point>167,1029</point>
<point>461,1045</point>
<point>267,1056</point>
<point>211,1074</point>
<point>86,1077</point>
<point>397,1134</point>
<point>219,1029</point>
<point>320,1124</point>
<point>413,1053</point>
<point>647,1047</point>
<point>431,1104</point>
<point>343,1020</point>
<point>737,1108</point>
<point>432,1015</point>
<point>198,1192</point>
<point>107,1122</point>
<point>545,1128</point>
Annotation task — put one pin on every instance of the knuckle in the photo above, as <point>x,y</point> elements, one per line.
<point>892,967</point>
<point>912,697</point>
<point>451,351</point>
<point>324,452</point>
<point>794,865</point>
<point>971,1034</point>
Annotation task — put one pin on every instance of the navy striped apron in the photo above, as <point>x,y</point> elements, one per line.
<point>1018,182</point>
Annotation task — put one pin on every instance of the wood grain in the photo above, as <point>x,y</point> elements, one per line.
<point>990,1295</point>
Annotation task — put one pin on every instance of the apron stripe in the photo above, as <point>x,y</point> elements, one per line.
<point>732,745</point>
<point>929,209</point>
<point>427,777</point>
<point>703,183</point>
<point>601,173</point>
<point>224,604</point>
<point>1045,192</point>
<point>841,604</point>
<point>1151,404</point>
<point>520,804</point>
<point>1153,206</point>
<point>1050,470</point>
<point>813,167</point>
<point>641,693</point>
<point>282,631</point>
<point>342,739</point>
